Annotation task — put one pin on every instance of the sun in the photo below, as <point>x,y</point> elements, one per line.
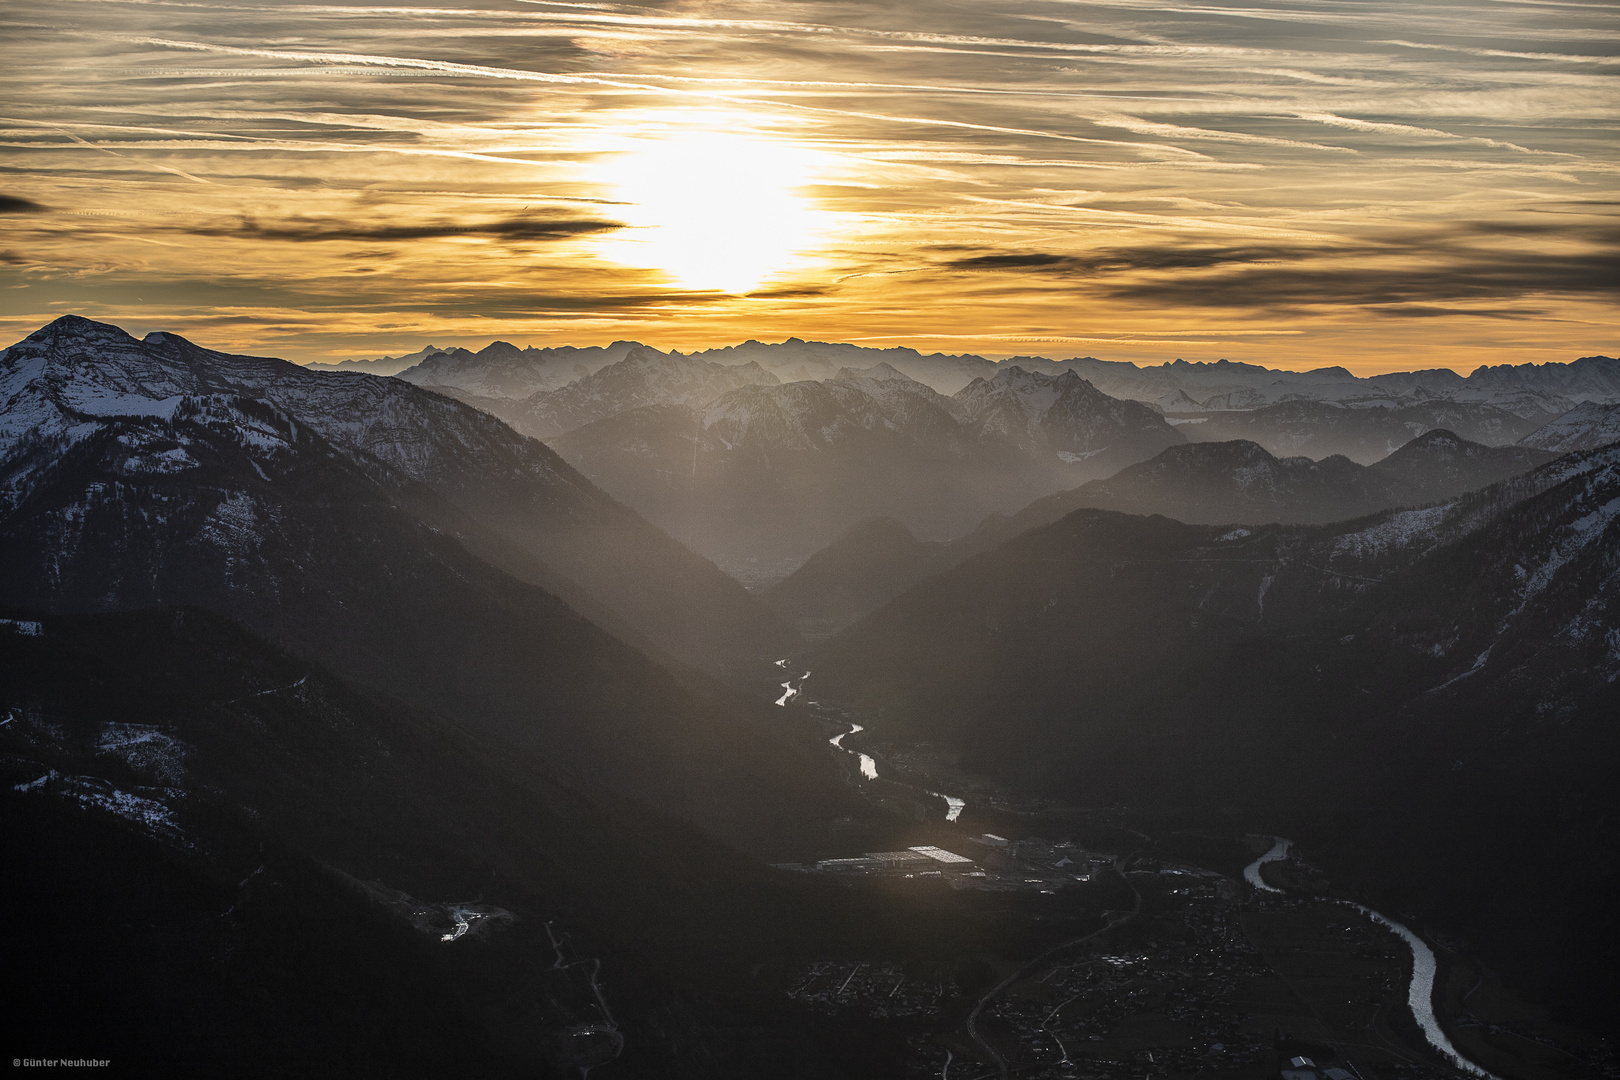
<point>712,210</point>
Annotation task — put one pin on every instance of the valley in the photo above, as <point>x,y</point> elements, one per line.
<point>1193,967</point>
<point>969,757</point>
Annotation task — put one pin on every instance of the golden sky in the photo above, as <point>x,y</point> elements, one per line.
<point>1372,183</point>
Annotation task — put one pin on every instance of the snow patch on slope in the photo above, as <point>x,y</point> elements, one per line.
<point>1399,530</point>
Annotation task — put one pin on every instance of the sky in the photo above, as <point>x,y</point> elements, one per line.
<point>1380,185</point>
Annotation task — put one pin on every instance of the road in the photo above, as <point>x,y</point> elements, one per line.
<point>1114,919</point>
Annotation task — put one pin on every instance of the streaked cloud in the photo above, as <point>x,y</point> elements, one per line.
<point>1302,181</point>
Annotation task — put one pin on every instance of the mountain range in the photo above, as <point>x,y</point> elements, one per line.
<point>1530,391</point>
<point>1382,683</point>
<point>510,498</point>
<point>348,728</point>
<point>1236,482</point>
<point>762,475</point>
<point>641,424</point>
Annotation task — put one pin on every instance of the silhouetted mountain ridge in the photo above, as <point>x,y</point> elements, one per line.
<point>1234,482</point>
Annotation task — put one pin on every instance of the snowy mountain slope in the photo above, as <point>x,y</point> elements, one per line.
<point>234,506</point>
<point>642,377</point>
<point>1063,420</point>
<point>1586,427</point>
<point>55,382</point>
<point>1590,378</point>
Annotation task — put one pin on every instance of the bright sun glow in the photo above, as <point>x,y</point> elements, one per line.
<point>711,210</point>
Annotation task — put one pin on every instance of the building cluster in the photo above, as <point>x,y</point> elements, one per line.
<point>994,862</point>
<point>872,989</point>
<point>1304,1068</point>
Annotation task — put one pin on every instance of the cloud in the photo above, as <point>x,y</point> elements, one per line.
<point>12,204</point>
<point>1417,268</point>
<point>980,166</point>
<point>785,294</point>
<point>1130,259</point>
<point>1444,281</point>
<point>305,230</point>
<point>1430,311</point>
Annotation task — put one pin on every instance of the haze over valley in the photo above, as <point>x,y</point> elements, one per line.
<point>724,540</point>
<point>995,633</point>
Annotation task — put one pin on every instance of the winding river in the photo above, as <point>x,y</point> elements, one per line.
<point>789,691</point>
<point>869,768</point>
<point>1419,993</point>
<point>1278,852</point>
<point>838,740</point>
<point>953,805</point>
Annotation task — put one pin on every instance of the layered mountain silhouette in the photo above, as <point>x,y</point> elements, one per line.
<point>641,423</point>
<point>1236,482</point>
<point>501,370</point>
<point>768,473</point>
<point>1319,429</point>
<point>382,365</point>
<point>643,377</point>
<point>1535,392</point>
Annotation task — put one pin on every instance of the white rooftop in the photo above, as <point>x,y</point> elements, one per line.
<point>939,854</point>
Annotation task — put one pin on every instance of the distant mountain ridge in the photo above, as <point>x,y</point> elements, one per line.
<point>641,377</point>
<point>502,370</point>
<point>1529,390</point>
<point>1063,417</point>
<point>1365,433</point>
<point>758,504</point>
<point>1225,483</point>
<point>772,472</point>
<point>382,365</point>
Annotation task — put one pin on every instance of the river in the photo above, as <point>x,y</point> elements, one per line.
<point>789,691</point>
<point>869,765</point>
<point>1278,852</point>
<point>1419,993</point>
